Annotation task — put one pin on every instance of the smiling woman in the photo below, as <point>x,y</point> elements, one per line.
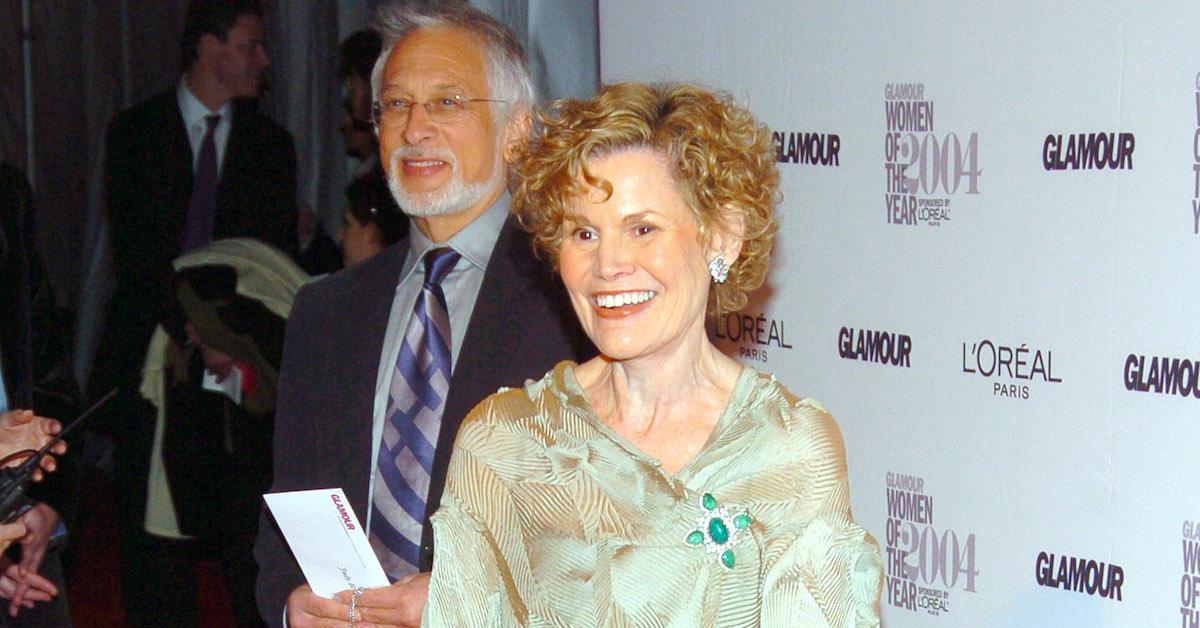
<point>719,160</point>
<point>635,264</point>
<point>660,482</point>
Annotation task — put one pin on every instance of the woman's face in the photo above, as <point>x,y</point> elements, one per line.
<point>360,240</point>
<point>634,264</point>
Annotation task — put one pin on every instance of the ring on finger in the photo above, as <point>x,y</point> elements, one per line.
<point>358,591</point>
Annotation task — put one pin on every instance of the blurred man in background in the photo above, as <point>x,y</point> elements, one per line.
<point>194,164</point>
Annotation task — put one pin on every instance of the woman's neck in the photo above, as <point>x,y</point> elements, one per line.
<point>672,388</point>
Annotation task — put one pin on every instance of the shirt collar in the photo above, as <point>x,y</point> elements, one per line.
<point>194,111</point>
<point>475,242</point>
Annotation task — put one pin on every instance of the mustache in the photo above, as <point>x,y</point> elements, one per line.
<point>413,152</point>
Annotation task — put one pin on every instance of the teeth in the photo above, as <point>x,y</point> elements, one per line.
<point>423,164</point>
<point>624,298</point>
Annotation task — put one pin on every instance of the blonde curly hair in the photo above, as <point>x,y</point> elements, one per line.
<point>721,160</point>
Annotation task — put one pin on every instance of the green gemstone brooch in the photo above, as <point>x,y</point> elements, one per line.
<point>717,531</point>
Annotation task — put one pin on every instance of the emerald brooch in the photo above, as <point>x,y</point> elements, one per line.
<point>718,531</point>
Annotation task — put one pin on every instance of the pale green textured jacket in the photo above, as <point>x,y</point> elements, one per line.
<point>552,519</point>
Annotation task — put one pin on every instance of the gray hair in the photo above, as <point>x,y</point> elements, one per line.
<point>508,71</point>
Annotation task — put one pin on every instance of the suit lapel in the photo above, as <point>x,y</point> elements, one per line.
<point>178,148</point>
<point>178,152</point>
<point>500,297</point>
<point>236,160</point>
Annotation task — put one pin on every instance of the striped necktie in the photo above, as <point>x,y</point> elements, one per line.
<point>416,399</point>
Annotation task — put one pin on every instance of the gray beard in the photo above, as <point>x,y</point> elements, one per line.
<point>455,197</point>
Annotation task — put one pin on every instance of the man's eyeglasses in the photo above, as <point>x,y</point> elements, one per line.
<point>393,112</point>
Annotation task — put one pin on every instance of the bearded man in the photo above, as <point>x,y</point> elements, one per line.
<point>383,360</point>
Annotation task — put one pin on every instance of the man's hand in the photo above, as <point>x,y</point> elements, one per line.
<point>400,604</point>
<point>306,609</point>
<point>34,587</point>
<point>22,429</point>
<point>40,522</point>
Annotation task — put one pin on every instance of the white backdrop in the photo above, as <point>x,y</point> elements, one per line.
<point>1023,291</point>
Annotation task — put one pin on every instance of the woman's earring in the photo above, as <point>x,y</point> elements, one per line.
<point>718,269</point>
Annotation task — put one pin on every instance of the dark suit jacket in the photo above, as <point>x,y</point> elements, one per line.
<point>148,177</point>
<point>521,326</point>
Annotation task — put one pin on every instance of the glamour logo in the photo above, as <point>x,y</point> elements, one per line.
<point>923,563</point>
<point>989,359</point>
<point>1080,575</point>
<point>1163,375</point>
<point>1189,585</point>
<point>923,169</point>
<point>874,346</point>
<point>811,149</point>
<point>755,334</point>
<point>1088,151</point>
<point>341,509</point>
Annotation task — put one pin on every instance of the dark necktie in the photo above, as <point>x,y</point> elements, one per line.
<point>413,421</point>
<point>202,206</point>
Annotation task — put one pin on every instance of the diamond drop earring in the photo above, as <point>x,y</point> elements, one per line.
<point>718,269</point>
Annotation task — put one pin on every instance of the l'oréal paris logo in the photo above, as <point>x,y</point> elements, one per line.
<point>923,169</point>
<point>755,335</point>
<point>1009,366</point>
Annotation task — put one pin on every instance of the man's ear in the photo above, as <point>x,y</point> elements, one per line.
<point>517,130</point>
<point>726,234</point>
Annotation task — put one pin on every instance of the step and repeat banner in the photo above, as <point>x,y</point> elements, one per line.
<point>987,270</point>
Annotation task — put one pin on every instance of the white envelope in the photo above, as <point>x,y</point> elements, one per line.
<point>231,387</point>
<point>327,540</point>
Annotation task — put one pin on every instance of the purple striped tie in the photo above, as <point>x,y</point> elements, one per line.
<point>413,421</point>
<point>202,206</point>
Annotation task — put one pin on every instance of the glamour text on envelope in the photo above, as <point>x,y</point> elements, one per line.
<point>327,540</point>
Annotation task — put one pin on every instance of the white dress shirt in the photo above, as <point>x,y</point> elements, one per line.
<point>194,113</point>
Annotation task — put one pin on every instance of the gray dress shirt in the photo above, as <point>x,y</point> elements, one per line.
<point>475,243</point>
